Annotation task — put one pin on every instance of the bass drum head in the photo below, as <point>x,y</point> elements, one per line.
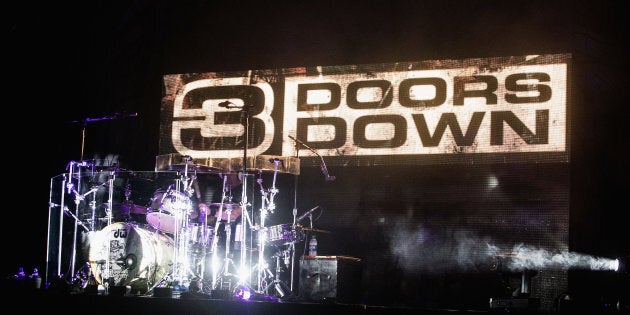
<point>129,255</point>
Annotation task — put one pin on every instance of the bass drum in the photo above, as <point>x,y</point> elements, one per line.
<point>129,255</point>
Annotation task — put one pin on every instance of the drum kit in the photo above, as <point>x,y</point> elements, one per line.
<point>171,250</point>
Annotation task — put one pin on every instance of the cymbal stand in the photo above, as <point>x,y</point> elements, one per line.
<point>227,260</point>
<point>267,205</point>
<point>181,263</point>
<point>78,197</point>
<point>295,211</point>
<point>199,259</point>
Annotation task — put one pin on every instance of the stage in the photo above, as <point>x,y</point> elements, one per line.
<point>53,302</point>
<point>68,299</point>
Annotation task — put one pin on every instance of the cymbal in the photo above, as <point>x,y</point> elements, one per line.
<point>315,230</point>
<point>129,208</point>
<point>193,168</point>
<point>266,163</point>
<point>225,205</point>
<point>178,162</point>
<point>235,210</point>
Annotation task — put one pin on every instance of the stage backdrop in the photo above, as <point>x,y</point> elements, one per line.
<point>447,178</point>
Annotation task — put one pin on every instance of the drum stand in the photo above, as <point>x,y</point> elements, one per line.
<point>278,284</point>
<point>224,273</point>
<point>181,270</point>
<point>262,266</point>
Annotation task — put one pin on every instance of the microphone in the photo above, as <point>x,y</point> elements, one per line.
<point>327,176</point>
<point>225,104</point>
<point>273,160</point>
<point>306,214</point>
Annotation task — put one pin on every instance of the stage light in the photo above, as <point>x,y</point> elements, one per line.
<point>244,293</point>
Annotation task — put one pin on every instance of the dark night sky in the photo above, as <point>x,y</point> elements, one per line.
<point>88,60</point>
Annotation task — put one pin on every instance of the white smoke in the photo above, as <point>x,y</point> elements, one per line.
<point>424,251</point>
<point>524,257</point>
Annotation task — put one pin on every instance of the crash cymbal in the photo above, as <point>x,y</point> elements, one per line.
<point>315,230</point>
<point>193,168</point>
<point>178,162</point>
<point>266,163</point>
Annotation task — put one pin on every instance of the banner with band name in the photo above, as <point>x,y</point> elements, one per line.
<point>498,109</point>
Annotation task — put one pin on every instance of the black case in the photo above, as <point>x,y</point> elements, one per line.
<point>335,278</point>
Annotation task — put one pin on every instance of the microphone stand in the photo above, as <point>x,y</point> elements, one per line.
<point>87,120</point>
<point>295,211</point>
<point>244,203</point>
<point>74,190</point>
<point>324,169</point>
<point>327,177</point>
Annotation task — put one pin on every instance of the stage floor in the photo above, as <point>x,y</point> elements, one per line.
<point>83,303</point>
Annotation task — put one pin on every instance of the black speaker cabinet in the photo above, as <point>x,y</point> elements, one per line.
<point>334,278</point>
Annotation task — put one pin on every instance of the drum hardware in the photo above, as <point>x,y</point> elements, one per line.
<point>77,220</point>
<point>222,277</point>
<point>70,188</point>
<point>278,284</point>
<point>247,223</point>
<point>267,205</point>
<point>181,231</point>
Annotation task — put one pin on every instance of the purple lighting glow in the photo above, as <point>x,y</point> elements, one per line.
<point>242,293</point>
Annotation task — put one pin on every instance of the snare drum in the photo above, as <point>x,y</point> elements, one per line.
<point>282,234</point>
<point>168,210</point>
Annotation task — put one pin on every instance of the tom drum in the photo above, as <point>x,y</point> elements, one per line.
<point>169,210</point>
